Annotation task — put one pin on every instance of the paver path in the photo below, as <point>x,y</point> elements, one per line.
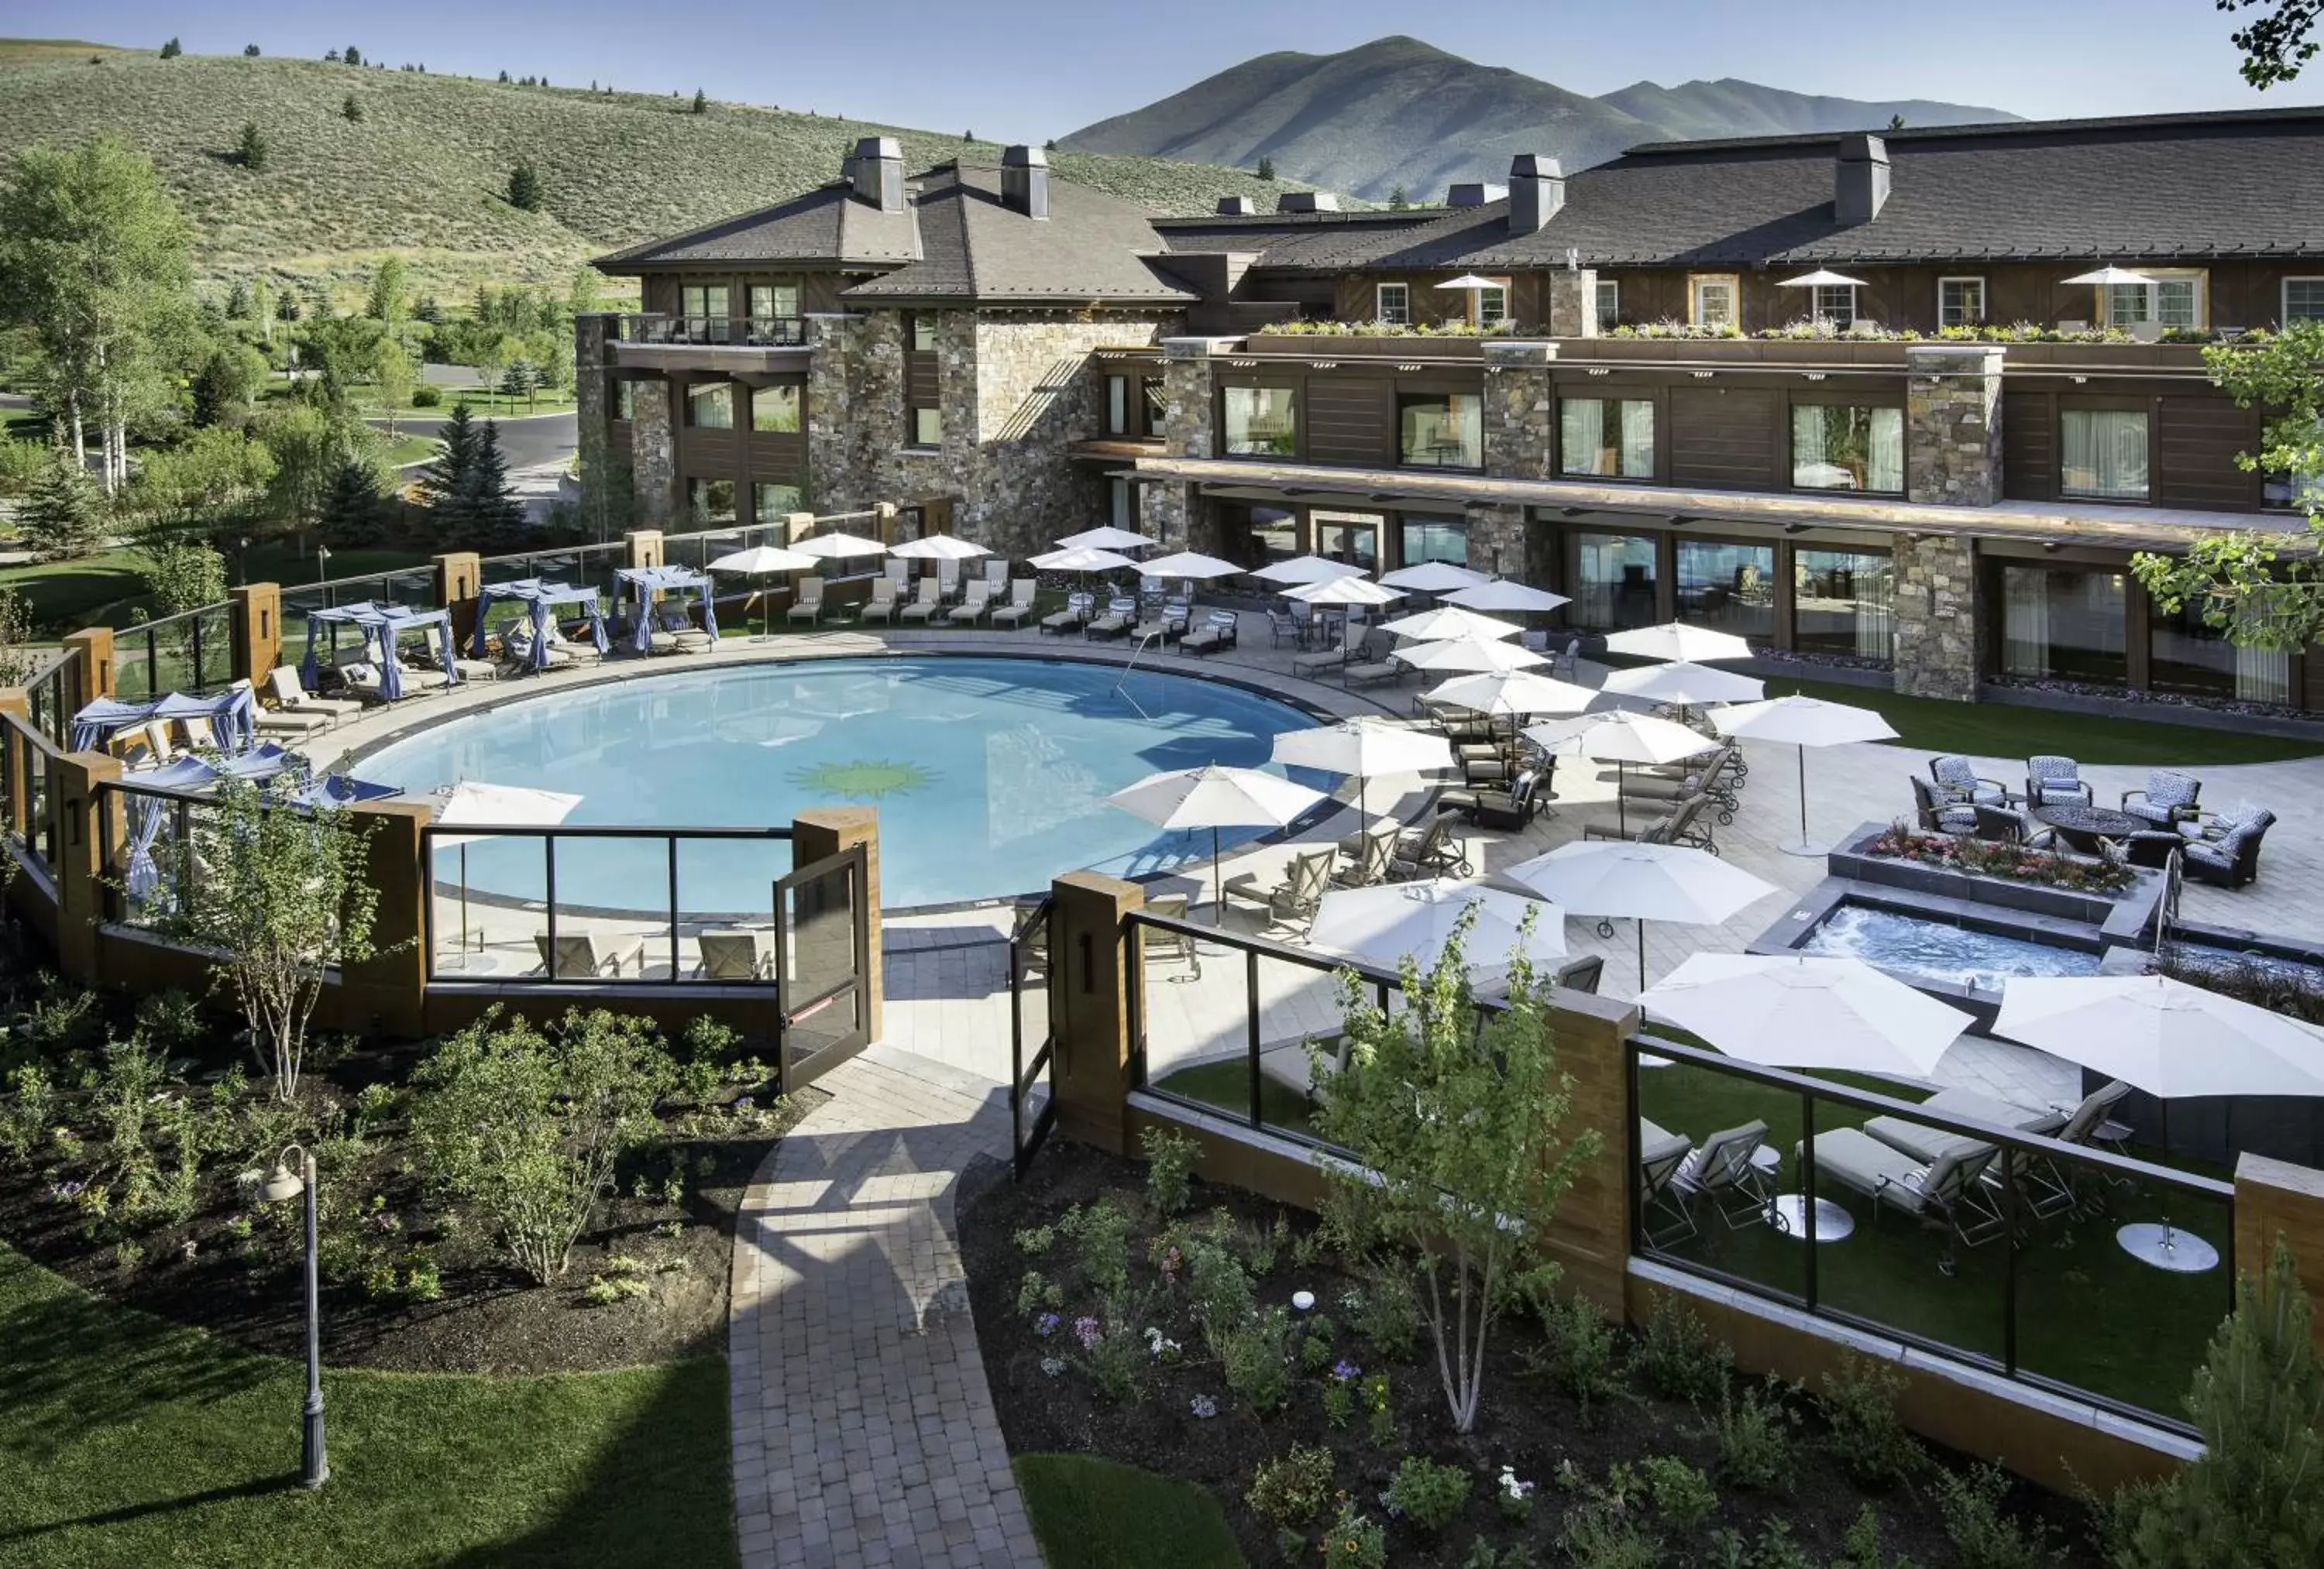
<point>863,1432</point>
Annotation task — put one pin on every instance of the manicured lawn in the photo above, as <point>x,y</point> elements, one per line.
<point>1095,1514</point>
<point>126,1440</point>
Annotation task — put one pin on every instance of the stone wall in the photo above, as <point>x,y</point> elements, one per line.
<point>1519,410</point>
<point>1936,616</point>
<point>1174,509</point>
<point>854,408</point>
<point>1953,424</point>
<point>1497,540</point>
<point>654,455</point>
<point>1573,303</point>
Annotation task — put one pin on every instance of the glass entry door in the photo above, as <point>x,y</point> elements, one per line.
<point>822,966</point>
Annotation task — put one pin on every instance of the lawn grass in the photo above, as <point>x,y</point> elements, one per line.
<point>1088,1513</point>
<point>125,1440</point>
<point>1227,1086</point>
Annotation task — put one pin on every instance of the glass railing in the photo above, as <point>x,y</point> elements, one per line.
<point>412,587</point>
<point>627,905</point>
<point>24,755</point>
<point>715,331</point>
<point>46,691</point>
<point>582,566</point>
<point>191,652</point>
<point>146,840</point>
<point>2070,1265</point>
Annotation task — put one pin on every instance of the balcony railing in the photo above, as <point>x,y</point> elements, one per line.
<point>749,332</point>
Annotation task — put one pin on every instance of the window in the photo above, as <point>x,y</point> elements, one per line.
<point>2062,625</point>
<point>928,427</point>
<point>923,334</point>
<point>1845,447</point>
<point>1613,582</point>
<point>1710,300</point>
<point>1261,421</point>
<point>1353,537</point>
<point>1158,405</point>
<point>710,501</point>
<point>626,399</point>
<point>2282,489</point>
<point>1395,305</point>
<point>1960,301</point>
<point>776,408</point>
<point>2186,653</point>
<point>1435,539</point>
<point>1610,304</point>
<point>2174,299</point>
<point>705,309</point>
<point>769,301</point>
<point>1492,306</point>
<point>772,503</point>
<point>2303,299</point>
<point>1261,536</point>
<point>1836,303</point>
<point>1606,437</point>
<point>1117,406</point>
<point>2102,453</point>
<point>1122,504</point>
<point>711,406</point>
<point>1728,587</point>
<point>1440,430</point>
<point>1844,602</point>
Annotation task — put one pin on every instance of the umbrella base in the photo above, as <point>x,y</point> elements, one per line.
<point>1789,1216</point>
<point>1804,847</point>
<point>2166,1247</point>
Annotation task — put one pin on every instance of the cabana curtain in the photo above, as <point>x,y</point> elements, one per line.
<point>648,580</point>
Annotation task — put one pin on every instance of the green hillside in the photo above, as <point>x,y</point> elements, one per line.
<point>421,171</point>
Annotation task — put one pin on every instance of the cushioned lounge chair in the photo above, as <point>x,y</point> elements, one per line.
<point>583,956</point>
<point>883,604</point>
<point>996,575</point>
<point>1721,1170</point>
<point>1074,616</point>
<point>1683,823</point>
<point>1371,665</point>
<point>516,648</point>
<point>1019,605</point>
<point>291,696</point>
<point>1351,641</point>
<point>808,606</point>
<point>275,721</point>
<point>1216,632</point>
<point>559,643</point>
<point>1120,615</point>
<point>925,603</point>
<point>1430,852</point>
<point>676,633</point>
<point>732,956</point>
<point>2168,799</point>
<point>973,605</point>
<point>1661,1153</point>
<point>1942,1193</point>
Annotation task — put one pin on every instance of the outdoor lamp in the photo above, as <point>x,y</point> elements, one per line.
<point>288,1182</point>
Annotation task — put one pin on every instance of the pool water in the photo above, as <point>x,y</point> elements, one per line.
<point>1939,950</point>
<point>991,775</point>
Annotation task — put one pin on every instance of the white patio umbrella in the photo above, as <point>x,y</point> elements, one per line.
<point>1684,685</point>
<point>2106,275</point>
<point>1433,577</point>
<point>1306,569</point>
<point>1352,590</point>
<point>1107,537</point>
<point>1621,738</point>
<point>1188,563</point>
<point>839,547</point>
<point>1512,692</point>
<point>1619,879</point>
<point>1804,723</point>
<point>1470,283</point>
<point>1807,1011</point>
<point>1676,641</point>
<point>1447,622</point>
<point>1384,924</point>
<point>473,801</point>
<point>1474,655</point>
<point>764,561</point>
<point>1364,748</point>
<point>1821,277</point>
<point>1083,558</point>
<point>1214,797</point>
<point>938,547</point>
<point>1504,595</point>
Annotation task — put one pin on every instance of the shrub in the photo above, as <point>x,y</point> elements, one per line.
<point>1677,1356</point>
<point>1253,1361</point>
<point>1113,1358</point>
<point>1756,1436</point>
<point>1102,1227</point>
<point>1220,1288</point>
<point>1583,1352</point>
<point>1386,1312</point>
<point>426,396</point>
<point>1677,1491</point>
<point>1600,1535</point>
<point>1869,1438</point>
<point>1292,1489</point>
<point>605,1291</point>
<point>1033,1241</point>
<point>1169,1168</point>
<point>1428,1495</point>
<point>1354,1541</point>
<point>26,1111</point>
<point>1972,1503</point>
<point>1314,1352</point>
<point>1860,1547</point>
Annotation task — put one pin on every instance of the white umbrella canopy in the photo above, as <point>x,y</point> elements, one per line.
<point>1806,1011</point>
<point>2108,274</point>
<point>1188,563</point>
<point>1677,640</point>
<point>1821,277</point>
<point>1475,654</point>
<point>1622,880</point>
<point>1447,622</point>
<point>1619,736</point>
<point>1344,591</point>
<point>1306,569</point>
<point>1386,923</point>
<point>1685,684</point>
<point>2163,1035</point>
<point>1512,692</point>
<point>760,560</point>
<point>1107,537</point>
<point>1083,558</point>
<point>839,547</point>
<point>1502,594</point>
<point>1213,796</point>
<point>938,547</point>
<point>1471,282</point>
<point>1364,748</point>
<point>475,801</point>
<point>1433,577</point>
<point>1804,723</point>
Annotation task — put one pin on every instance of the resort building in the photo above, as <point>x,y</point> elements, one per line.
<point>1852,398</point>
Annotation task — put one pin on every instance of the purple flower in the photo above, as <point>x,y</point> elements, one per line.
<point>1087,1332</point>
<point>1345,1370</point>
<point>1046,1325</point>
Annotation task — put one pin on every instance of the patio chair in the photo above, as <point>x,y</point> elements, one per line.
<point>1661,1153</point>
<point>1936,817</point>
<point>1029,939</point>
<point>2006,825</point>
<point>1938,1193</point>
<point>1370,855</point>
<point>1019,605</point>
<point>898,572</point>
<point>1676,782</point>
<point>1351,641</point>
<point>1430,852</point>
<point>1669,825</point>
<point>1508,810</point>
<point>1120,615</point>
<point>1721,1170</point>
<point>732,956</point>
<point>1290,905</point>
<point>883,604</point>
<point>948,579</point>
<point>559,643</point>
<point>516,648</point>
<point>2047,1186</point>
<point>282,681</point>
<point>973,605</point>
<point>924,604</point>
<point>1282,628</point>
<point>364,680</point>
<point>275,721</point>
<point>1959,784</point>
<point>1581,975</point>
<point>996,574</point>
<point>808,606</point>
<point>2168,799</point>
<point>2232,859</point>
<point>1074,616</point>
<point>585,956</point>
<point>1162,944</point>
<point>1218,631</point>
<point>1371,665</point>
<point>2052,780</point>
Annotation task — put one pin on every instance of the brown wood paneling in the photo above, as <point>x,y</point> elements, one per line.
<point>1724,437</point>
<point>2029,446</point>
<point>711,454</point>
<point>778,456</point>
<point>1351,419</point>
<point>2196,440</point>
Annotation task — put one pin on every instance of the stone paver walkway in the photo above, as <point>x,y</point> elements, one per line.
<point>863,1432</point>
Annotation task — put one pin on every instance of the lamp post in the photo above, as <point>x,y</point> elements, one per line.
<point>287,1182</point>
<point>322,561</point>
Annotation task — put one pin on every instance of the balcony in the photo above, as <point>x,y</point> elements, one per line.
<point>656,341</point>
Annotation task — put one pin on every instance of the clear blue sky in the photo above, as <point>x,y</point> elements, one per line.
<point>1028,70</point>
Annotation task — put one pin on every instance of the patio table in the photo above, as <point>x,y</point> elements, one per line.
<point>2083,826</point>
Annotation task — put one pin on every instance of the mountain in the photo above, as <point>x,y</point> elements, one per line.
<point>421,171</point>
<point>1397,111</point>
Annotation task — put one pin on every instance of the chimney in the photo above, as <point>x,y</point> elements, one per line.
<point>877,172</point>
<point>1237,207</point>
<point>1860,186</point>
<point>1306,201</point>
<point>1536,192</point>
<point>1473,193</point>
<point>1025,180</point>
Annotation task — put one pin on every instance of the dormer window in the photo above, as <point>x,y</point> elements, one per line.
<point>1394,305</point>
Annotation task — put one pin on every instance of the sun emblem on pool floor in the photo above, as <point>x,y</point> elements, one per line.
<point>864,779</point>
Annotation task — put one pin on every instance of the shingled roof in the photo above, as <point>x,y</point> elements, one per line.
<point>2246,183</point>
<point>826,227</point>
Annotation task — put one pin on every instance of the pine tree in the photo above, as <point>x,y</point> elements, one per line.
<point>1265,166</point>
<point>172,49</point>
<point>250,52</point>
<point>1397,201</point>
<point>492,515</point>
<point>701,101</point>
<point>443,483</point>
<point>350,513</point>
<point>351,111</point>
<point>524,190</point>
<point>251,150</point>
<point>521,381</point>
<point>237,301</point>
<point>352,55</point>
<point>64,516</point>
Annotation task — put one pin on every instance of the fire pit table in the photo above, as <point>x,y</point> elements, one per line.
<point>2082,827</point>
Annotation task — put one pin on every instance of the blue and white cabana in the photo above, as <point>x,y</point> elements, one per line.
<point>102,719</point>
<point>392,624</point>
<point>184,776</point>
<point>363,615</point>
<point>543,597</point>
<point>232,716</point>
<point>649,581</point>
<point>340,790</point>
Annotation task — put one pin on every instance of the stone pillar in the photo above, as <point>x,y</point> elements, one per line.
<point>1936,616</point>
<point>460,575</point>
<point>1497,539</point>
<point>1952,423</point>
<point>1592,1234</point>
<point>91,677</point>
<point>1519,410</point>
<point>257,629</point>
<point>653,453</point>
<point>1090,976</point>
<point>826,832</point>
<point>592,336</point>
<point>78,868</point>
<point>1573,303</point>
<point>2275,1198</point>
<point>387,994</point>
<point>645,547</point>
<point>1189,402</point>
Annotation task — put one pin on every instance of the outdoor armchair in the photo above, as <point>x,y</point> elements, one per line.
<point>2232,859</point>
<point>2052,780</point>
<point>1507,809</point>
<point>1936,817</point>
<point>1959,782</point>
<point>2168,799</point>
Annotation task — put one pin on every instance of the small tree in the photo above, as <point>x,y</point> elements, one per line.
<point>172,49</point>
<point>1265,166</point>
<point>251,150</point>
<point>393,373</point>
<point>444,482</point>
<point>250,52</point>
<point>1457,1130</point>
<point>701,101</point>
<point>351,111</point>
<point>485,505</point>
<point>520,380</point>
<point>1397,201</point>
<point>524,191</point>
<point>350,511</point>
<point>390,301</point>
<point>352,55</point>
<point>183,575</point>
<point>64,515</point>
<point>17,657</point>
<point>526,1129</point>
<point>281,896</point>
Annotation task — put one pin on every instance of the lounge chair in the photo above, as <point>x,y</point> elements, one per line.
<point>898,573</point>
<point>275,721</point>
<point>516,648</point>
<point>1371,665</point>
<point>676,633</point>
<point>1371,853</point>
<point>1019,605</point>
<point>1675,825</point>
<point>948,579</point>
<point>2231,859</point>
<point>809,605</point>
<point>583,956</point>
<point>1120,615</point>
<point>2168,799</point>
<point>1351,641</point>
<point>2051,780</point>
<point>1168,622</point>
<point>1030,941</point>
<point>1942,1193</point>
<point>559,643</point>
<point>881,605</point>
<point>1581,975</point>
<point>996,575</point>
<point>1290,905</point>
<point>1959,784</point>
<point>1509,809</point>
<point>973,605</point>
<point>1073,617</point>
<point>1217,631</point>
<point>925,603</point>
<point>1160,944</point>
<point>1430,852</point>
<point>290,696</point>
<point>731,955</point>
<point>1721,1170</point>
<point>363,681</point>
<point>1661,1153</point>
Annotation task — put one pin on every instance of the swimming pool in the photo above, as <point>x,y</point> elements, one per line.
<point>1940,950</point>
<point>991,775</point>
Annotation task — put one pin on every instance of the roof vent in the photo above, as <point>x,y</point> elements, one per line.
<point>1025,180</point>
<point>1306,201</point>
<point>1474,193</point>
<point>1860,180</point>
<point>877,172</point>
<point>1237,207</point>
<point>1536,192</point>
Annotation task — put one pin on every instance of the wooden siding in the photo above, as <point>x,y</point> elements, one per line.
<point>2195,443</point>
<point>1351,419</point>
<point>1726,437</point>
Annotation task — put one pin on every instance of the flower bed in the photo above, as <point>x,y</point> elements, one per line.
<point>2010,862</point>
